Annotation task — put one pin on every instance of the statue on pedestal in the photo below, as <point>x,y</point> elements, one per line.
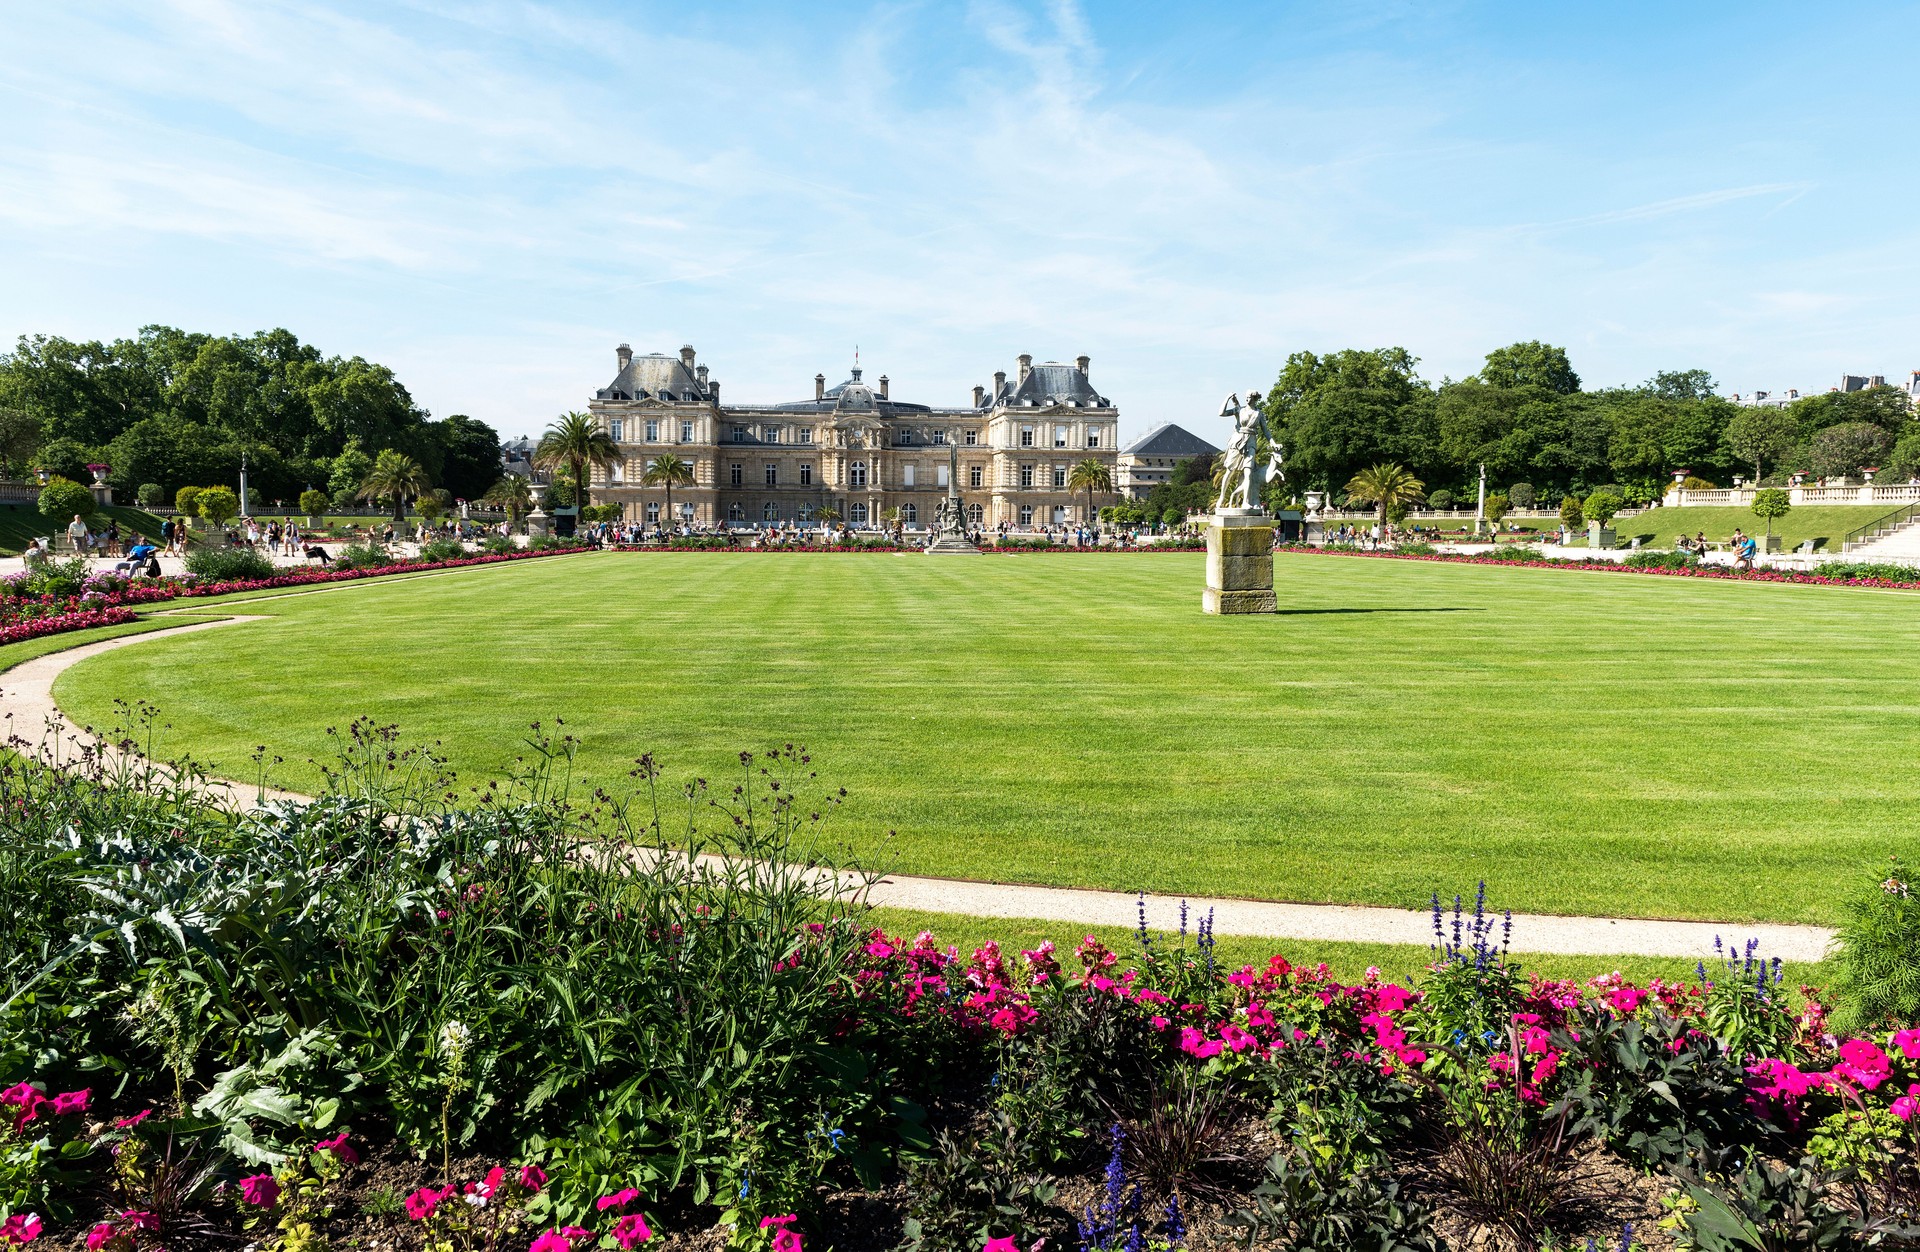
<point>1244,473</point>
<point>950,519</point>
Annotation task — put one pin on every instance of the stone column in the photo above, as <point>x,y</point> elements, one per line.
<point>1239,564</point>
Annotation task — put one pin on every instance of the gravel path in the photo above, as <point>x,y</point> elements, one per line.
<point>26,696</point>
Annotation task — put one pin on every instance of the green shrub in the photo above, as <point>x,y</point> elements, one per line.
<point>1602,506</point>
<point>1771,503</point>
<point>1867,569</point>
<point>1654,559</point>
<point>443,550</point>
<point>498,545</point>
<point>312,502</point>
<point>61,498</point>
<point>1879,956</point>
<point>150,496</point>
<point>1418,547</point>
<point>363,556</point>
<point>53,578</point>
<point>1522,495</point>
<point>228,564</point>
<point>1571,513</point>
<point>1441,499</point>
<point>184,501</point>
<point>217,505</point>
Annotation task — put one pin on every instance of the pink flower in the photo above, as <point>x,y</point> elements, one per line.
<point>791,1218</point>
<point>879,949</point>
<point>1863,1062</point>
<point>1194,1043</point>
<point>532,1177</point>
<point>1908,1041</point>
<point>785,1240</point>
<point>1158,1022</point>
<point>1626,999</point>
<point>420,1204</point>
<point>575,1232</point>
<point>1907,1105</point>
<point>72,1101</point>
<point>618,1200</point>
<point>631,1230</point>
<point>128,1123</point>
<point>20,1228</point>
<point>1004,1244</point>
<point>98,1236</point>
<point>551,1241</point>
<point>1236,1038</point>
<point>140,1220</point>
<point>338,1146</point>
<point>19,1093</point>
<point>491,1183</point>
<point>260,1189</point>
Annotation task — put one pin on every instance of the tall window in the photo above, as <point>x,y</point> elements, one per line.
<point>739,434</point>
<point>973,475</point>
<point>910,514</point>
<point>940,436</point>
<point>686,432</point>
<point>1059,476</point>
<point>773,474</point>
<point>974,514</point>
<point>653,514</point>
<point>906,474</point>
<point>857,475</point>
<point>653,431</point>
<point>806,513</point>
<point>1026,515</point>
<point>1026,436</point>
<point>1059,436</point>
<point>857,513</point>
<point>806,475</point>
<point>1026,475</point>
<point>940,475</point>
<point>735,513</point>
<point>973,438</point>
<point>733,474</point>
<point>769,512</point>
<point>1093,436</point>
<point>771,434</point>
<point>806,434</point>
<point>617,430</point>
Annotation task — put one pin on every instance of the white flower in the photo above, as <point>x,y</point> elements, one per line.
<point>453,1038</point>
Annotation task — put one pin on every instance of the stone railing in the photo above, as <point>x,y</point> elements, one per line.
<point>1868,493</point>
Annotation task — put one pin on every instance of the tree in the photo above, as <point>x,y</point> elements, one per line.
<point>313,502</point>
<point>669,471</point>
<point>1090,476</point>
<point>1770,504</point>
<point>470,458</point>
<point>150,495</point>
<point>395,476</point>
<point>1441,499</point>
<point>19,440</point>
<point>1531,364</point>
<point>1522,495</point>
<point>1385,486</point>
<point>61,498</point>
<point>430,506</point>
<point>1602,507</point>
<point>1846,448</point>
<point>1681,385</point>
<point>348,471</point>
<point>1573,514</point>
<point>217,505</point>
<point>183,501</point>
<point>1757,435</point>
<point>512,493</point>
<point>573,443</point>
<point>825,513</point>
<point>1498,506</point>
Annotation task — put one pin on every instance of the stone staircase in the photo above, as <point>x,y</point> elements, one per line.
<point>1896,539</point>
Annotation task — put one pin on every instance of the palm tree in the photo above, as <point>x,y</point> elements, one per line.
<point>394,476</point>
<point>826,515</point>
<point>1385,486</point>
<point>668,470</point>
<point>512,493</point>
<point>1093,476</point>
<point>573,443</point>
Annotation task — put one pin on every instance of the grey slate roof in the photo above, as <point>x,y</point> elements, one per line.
<point>1169,440</point>
<point>1052,382</point>
<point>852,396</point>
<point>653,376</point>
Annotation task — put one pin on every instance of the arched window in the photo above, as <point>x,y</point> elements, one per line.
<point>735,513</point>
<point>857,474</point>
<point>974,515</point>
<point>769,512</point>
<point>910,513</point>
<point>857,514</point>
<point>806,512</point>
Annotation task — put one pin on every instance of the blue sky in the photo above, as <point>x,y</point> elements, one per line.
<point>489,197</point>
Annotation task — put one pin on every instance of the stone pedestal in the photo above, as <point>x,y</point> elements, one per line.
<point>1239,563</point>
<point>539,525</point>
<point>1600,537</point>
<point>947,544</point>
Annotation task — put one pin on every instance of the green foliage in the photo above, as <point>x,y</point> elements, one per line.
<point>1498,506</point>
<point>964,1193</point>
<point>367,555</point>
<point>1572,512</point>
<point>574,443</point>
<point>226,564</point>
<point>217,505</point>
<point>56,578</point>
<point>1660,558</point>
<point>1384,486</point>
<point>1879,956</point>
<point>498,545</point>
<point>1756,435</point>
<point>1531,364</point>
<point>1845,449</point>
<point>431,507</point>
<point>1767,1208</point>
<point>348,470</point>
<point>1441,499</point>
<point>313,502</point>
<point>150,495</point>
<point>1602,507</point>
<point>1522,495</point>
<point>1771,503</point>
<point>396,477</point>
<point>62,498</point>
<point>186,502</point>
<point>511,493</point>
<point>443,550</point>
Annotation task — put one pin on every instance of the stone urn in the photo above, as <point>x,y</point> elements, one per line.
<point>1600,536</point>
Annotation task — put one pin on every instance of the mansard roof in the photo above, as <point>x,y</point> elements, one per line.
<point>1052,382</point>
<point>1169,440</point>
<point>853,397</point>
<point>655,376</point>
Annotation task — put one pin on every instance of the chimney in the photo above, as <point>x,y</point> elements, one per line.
<point>980,393</point>
<point>819,386</point>
<point>701,374</point>
<point>713,391</point>
<point>883,387</point>
<point>1081,361</point>
<point>1026,365</point>
<point>1878,380</point>
<point>999,384</point>
<point>624,355</point>
<point>686,355</point>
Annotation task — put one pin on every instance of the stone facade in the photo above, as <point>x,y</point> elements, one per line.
<point>854,448</point>
<point>1151,459</point>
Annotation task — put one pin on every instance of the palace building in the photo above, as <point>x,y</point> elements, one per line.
<point>854,448</point>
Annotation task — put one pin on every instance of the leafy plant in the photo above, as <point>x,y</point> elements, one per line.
<point>217,505</point>
<point>968,1191</point>
<point>443,550</point>
<point>150,495</point>
<point>228,564</point>
<point>313,502</point>
<point>1601,507</point>
<point>1771,503</point>
<point>369,554</point>
<point>62,498</point>
<point>1878,959</point>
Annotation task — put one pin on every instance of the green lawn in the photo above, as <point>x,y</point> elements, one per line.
<point>1588,743</point>
<point>1823,523</point>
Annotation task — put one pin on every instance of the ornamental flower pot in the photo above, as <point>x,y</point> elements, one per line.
<point>316,523</point>
<point>1772,543</point>
<point>1599,537</point>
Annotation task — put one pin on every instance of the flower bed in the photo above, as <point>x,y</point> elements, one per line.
<point>383,989</point>
<point>1534,560</point>
<point>106,598</point>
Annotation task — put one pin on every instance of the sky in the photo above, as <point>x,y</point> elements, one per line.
<point>489,197</point>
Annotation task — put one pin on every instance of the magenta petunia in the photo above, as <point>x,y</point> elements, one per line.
<point>73,1101</point>
<point>340,1149</point>
<point>618,1200</point>
<point>20,1228</point>
<point>260,1189</point>
<point>532,1177</point>
<point>420,1204</point>
<point>551,1241</point>
<point>631,1231</point>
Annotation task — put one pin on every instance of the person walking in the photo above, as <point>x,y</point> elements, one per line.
<point>77,533</point>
